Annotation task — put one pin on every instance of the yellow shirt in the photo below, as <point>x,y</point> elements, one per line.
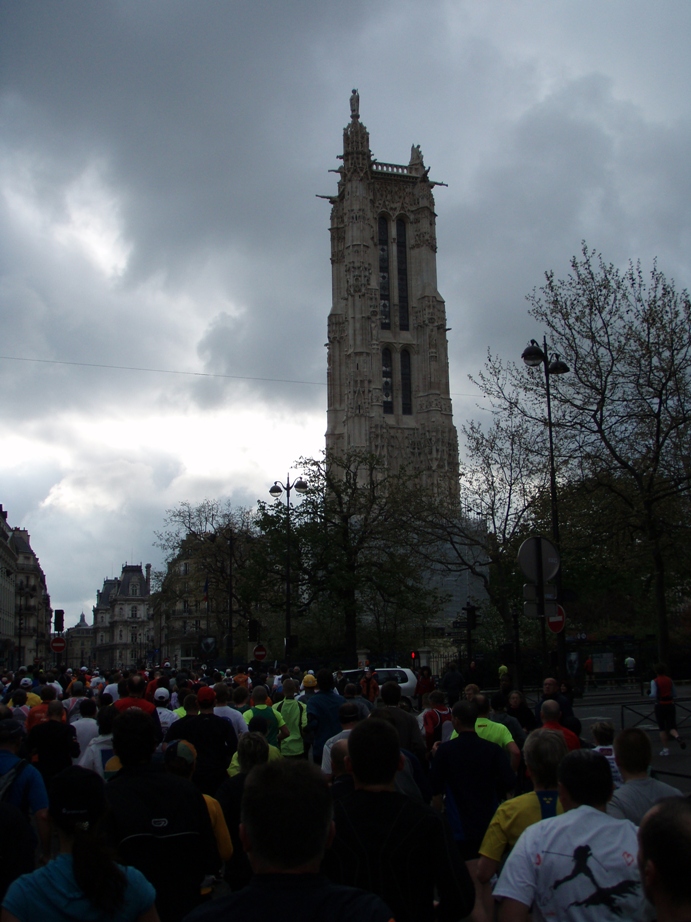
<point>488,729</point>
<point>515,815</point>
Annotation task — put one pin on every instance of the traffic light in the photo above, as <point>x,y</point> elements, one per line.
<point>253,630</point>
<point>471,615</point>
<point>415,656</point>
<point>59,620</point>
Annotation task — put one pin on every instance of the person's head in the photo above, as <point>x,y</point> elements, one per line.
<point>374,752</point>
<point>664,853</point>
<point>550,711</point>
<point>309,683</point>
<point>190,704</point>
<point>390,693</point>
<point>339,753</point>
<point>286,816</point>
<point>47,693</point>
<point>56,711</point>
<point>633,751</point>
<point>11,733</point>
<point>289,688</point>
<point>437,699</point>
<point>515,699</point>
<point>259,695</point>
<point>206,698</point>
<point>222,694</point>
<point>136,686</point>
<point>660,669</point>
<point>543,752</point>
<point>258,724</point>
<point>87,707</point>
<point>77,690</point>
<point>325,680</point>
<point>240,696</point>
<point>77,804</point>
<point>482,704</point>
<point>161,697</point>
<point>464,715</point>
<point>105,719</point>
<point>550,687</point>
<point>426,672</point>
<point>349,691</point>
<point>470,691</point>
<point>20,697</point>
<point>180,758</point>
<point>603,732</point>
<point>252,750</point>
<point>585,778</point>
<point>348,714</point>
<point>134,737</point>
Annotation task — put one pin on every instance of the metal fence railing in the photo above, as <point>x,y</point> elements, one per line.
<point>646,713</point>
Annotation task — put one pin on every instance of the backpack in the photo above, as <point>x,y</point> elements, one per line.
<point>8,779</point>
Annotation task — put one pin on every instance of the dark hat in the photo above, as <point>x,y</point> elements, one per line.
<point>10,729</point>
<point>76,797</point>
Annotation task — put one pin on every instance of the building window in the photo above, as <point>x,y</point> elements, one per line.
<point>384,279</point>
<point>133,611</point>
<point>119,635</point>
<point>185,605</point>
<point>184,569</point>
<point>406,385</point>
<point>387,381</point>
<point>402,273</point>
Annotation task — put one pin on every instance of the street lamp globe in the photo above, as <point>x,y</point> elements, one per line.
<point>275,491</point>
<point>533,355</point>
<point>557,366</point>
<point>300,486</point>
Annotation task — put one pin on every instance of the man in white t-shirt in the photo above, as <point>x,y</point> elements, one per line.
<point>579,866</point>
<point>165,715</point>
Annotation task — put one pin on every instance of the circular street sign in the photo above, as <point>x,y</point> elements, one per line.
<point>58,644</point>
<point>528,558</point>
<point>260,652</point>
<point>556,622</point>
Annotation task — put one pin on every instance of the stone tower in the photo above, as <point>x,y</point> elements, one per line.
<point>388,375</point>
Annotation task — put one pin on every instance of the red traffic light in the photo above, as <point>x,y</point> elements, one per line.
<point>414,655</point>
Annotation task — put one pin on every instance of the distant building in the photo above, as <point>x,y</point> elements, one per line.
<point>123,629</point>
<point>8,575</point>
<point>33,613</point>
<point>80,642</point>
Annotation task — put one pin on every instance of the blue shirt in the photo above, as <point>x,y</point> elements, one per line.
<point>28,789</point>
<point>51,893</point>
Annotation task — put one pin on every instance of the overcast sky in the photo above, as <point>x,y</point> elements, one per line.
<point>159,165</point>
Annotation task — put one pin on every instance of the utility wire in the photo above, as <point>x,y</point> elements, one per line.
<point>172,371</point>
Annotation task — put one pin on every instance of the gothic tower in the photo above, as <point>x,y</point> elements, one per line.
<point>388,375</point>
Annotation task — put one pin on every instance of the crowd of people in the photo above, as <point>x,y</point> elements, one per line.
<point>202,796</point>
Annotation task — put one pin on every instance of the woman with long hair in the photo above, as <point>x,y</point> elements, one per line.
<point>83,882</point>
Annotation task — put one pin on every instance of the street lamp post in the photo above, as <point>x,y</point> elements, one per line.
<point>552,364</point>
<point>300,486</point>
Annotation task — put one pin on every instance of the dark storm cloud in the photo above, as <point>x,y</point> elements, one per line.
<point>158,167</point>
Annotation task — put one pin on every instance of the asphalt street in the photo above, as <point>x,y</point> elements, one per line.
<point>626,708</point>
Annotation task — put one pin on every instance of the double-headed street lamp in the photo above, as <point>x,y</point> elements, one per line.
<point>300,486</point>
<point>552,364</point>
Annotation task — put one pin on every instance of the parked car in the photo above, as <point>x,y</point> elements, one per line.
<point>406,678</point>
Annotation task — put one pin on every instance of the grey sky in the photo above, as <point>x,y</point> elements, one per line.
<point>158,169</point>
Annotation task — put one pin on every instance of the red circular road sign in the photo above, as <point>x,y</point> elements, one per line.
<point>556,622</point>
<point>260,652</point>
<point>58,644</point>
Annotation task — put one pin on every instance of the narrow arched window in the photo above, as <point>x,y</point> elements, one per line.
<point>402,266</point>
<point>387,381</point>
<point>384,278</point>
<point>406,385</point>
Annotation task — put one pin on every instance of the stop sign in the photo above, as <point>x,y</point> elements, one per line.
<point>58,644</point>
<point>556,622</point>
<point>260,652</point>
